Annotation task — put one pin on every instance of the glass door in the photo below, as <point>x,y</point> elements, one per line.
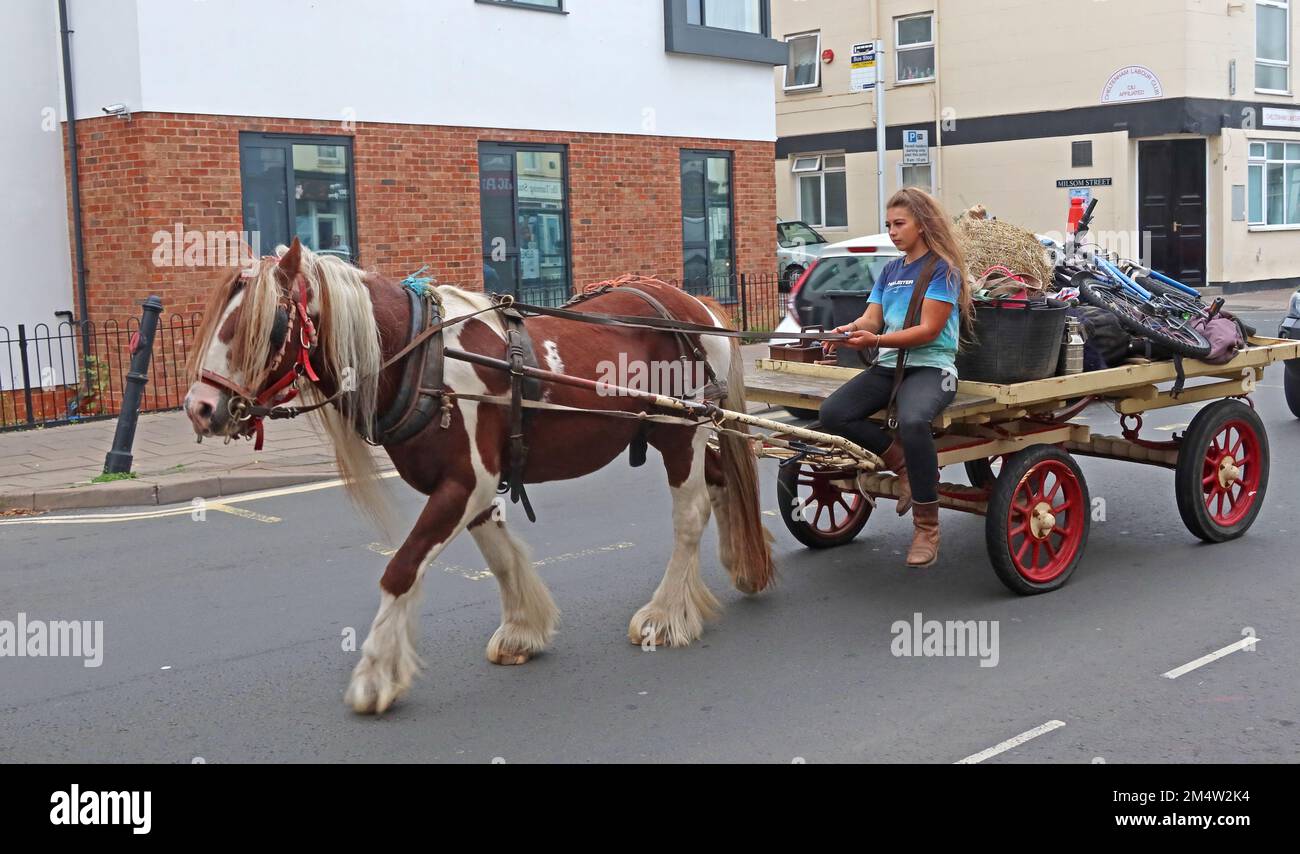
<point>524,216</point>
<point>708,246</point>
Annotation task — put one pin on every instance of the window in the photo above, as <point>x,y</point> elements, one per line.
<point>1273,186</point>
<point>299,186</point>
<point>1272,45</point>
<point>745,16</point>
<point>524,215</point>
<point>707,244</point>
<point>1081,154</point>
<point>803,71</point>
<point>547,5</point>
<point>823,190</point>
<point>727,29</point>
<point>914,42</point>
<point>916,175</point>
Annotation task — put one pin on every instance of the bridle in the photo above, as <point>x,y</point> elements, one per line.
<point>251,408</point>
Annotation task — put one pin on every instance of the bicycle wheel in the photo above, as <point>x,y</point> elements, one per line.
<point>1140,317</point>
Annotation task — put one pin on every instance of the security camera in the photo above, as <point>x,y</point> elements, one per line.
<point>119,110</point>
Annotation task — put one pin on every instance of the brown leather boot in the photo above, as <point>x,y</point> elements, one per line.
<point>897,463</point>
<point>925,535</point>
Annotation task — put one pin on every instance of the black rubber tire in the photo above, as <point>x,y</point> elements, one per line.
<point>1190,472</point>
<point>804,414</point>
<point>1103,296</point>
<point>980,473</point>
<point>1291,384</point>
<point>787,492</point>
<point>1015,469</point>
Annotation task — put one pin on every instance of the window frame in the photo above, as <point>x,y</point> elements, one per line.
<point>1262,163</point>
<point>681,36</point>
<point>1285,6</point>
<point>521,4</point>
<point>817,64</point>
<point>899,49</point>
<point>288,141</point>
<point>820,173</point>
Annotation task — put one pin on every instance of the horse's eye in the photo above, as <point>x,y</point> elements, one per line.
<point>279,330</point>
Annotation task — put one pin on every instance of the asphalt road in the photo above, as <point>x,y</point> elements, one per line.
<point>223,638</point>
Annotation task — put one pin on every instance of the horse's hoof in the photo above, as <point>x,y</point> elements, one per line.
<point>509,658</point>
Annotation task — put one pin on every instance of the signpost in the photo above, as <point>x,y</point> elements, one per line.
<point>916,147</point>
<point>865,76</point>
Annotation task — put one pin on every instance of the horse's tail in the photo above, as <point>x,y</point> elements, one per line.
<point>750,543</point>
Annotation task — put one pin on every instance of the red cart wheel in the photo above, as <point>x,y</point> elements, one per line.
<point>1222,471</point>
<point>1038,519</point>
<point>818,513</point>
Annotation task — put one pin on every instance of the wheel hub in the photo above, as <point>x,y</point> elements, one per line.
<point>1042,521</point>
<point>1229,471</point>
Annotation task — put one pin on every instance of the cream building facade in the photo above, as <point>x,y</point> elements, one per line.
<point>1179,116</point>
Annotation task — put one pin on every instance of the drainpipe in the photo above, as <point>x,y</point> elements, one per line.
<point>79,274</point>
<point>938,105</point>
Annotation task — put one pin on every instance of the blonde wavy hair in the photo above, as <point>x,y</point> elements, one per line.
<point>936,230</point>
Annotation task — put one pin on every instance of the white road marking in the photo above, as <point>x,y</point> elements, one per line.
<point>485,572</point>
<point>1244,643</point>
<point>1016,741</point>
<point>179,509</point>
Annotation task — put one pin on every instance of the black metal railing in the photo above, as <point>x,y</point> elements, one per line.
<point>75,371</point>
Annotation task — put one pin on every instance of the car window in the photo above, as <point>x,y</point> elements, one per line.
<point>846,273</point>
<point>790,234</point>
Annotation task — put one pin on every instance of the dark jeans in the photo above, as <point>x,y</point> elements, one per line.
<point>921,398</point>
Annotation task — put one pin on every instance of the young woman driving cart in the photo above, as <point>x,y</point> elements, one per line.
<point>913,323</point>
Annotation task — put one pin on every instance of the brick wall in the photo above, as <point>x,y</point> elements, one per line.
<point>417,200</point>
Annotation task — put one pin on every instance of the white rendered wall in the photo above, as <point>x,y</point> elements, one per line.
<point>33,206</point>
<point>600,68</point>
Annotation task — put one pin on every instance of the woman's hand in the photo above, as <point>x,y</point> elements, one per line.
<point>861,340</point>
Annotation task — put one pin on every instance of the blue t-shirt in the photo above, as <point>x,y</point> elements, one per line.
<point>893,293</point>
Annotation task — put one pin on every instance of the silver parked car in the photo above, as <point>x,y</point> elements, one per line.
<point>797,247</point>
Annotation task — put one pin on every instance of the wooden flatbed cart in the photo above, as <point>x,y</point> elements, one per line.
<point>1018,444</point>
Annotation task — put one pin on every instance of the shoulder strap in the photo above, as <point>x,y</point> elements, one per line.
<point>913,317</point>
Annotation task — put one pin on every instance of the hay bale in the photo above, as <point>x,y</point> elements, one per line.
<point>990,243</point>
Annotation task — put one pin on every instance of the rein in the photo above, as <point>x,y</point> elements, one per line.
<point>245,405</point>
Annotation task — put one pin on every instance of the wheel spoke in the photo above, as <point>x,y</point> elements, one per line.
<point>1050,549</point>
<point>817,519</point>
<point>1035,563</point>
<point>1062,531</point>
<point>1020,553</point>
<point>1209,480</point>
<point>1055,489</point>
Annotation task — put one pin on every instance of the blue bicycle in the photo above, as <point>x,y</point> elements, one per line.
<point>1162,312</point>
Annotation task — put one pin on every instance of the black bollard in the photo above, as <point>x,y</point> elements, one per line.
<point>119,459</point>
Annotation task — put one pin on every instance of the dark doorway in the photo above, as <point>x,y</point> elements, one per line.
<point>1171,199</point>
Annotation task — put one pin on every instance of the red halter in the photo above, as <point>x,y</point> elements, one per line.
<point>242,400</point>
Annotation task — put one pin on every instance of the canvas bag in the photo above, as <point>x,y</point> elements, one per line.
<point>1225,336</point>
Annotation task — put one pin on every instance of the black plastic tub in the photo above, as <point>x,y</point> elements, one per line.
<point>1013,341</point>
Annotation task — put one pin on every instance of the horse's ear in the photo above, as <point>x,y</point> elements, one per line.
<point>291,260</point>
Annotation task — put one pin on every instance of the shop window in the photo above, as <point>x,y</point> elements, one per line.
<point>299,186</point>
<point>1273,185</point>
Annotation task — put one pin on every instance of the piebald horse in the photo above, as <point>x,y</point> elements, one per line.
<point>307,325</point>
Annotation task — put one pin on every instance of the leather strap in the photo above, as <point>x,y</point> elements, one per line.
<point>912,318</point>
